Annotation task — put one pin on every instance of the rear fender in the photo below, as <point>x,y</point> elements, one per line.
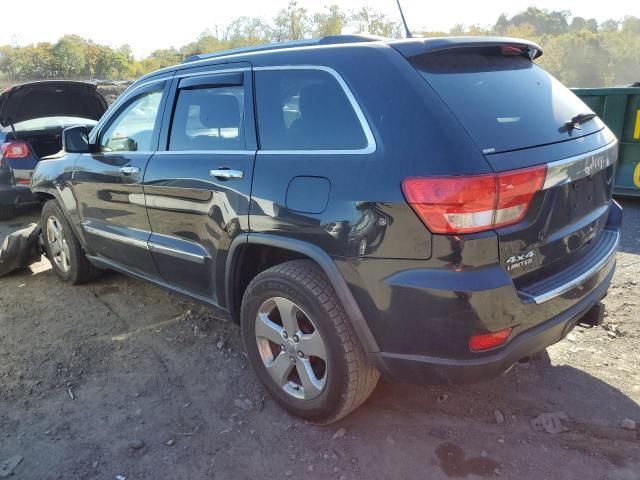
<point>323,260</point>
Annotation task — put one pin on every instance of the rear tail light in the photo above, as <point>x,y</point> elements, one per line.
<point>15,150</point>
<point>512,50</point>
<point>456,205</point>
<point>486,341</point>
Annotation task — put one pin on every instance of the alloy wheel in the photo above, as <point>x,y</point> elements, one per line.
<point>291,348</point>
<point>58,244</point>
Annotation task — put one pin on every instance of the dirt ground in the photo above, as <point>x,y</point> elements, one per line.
<point>120,378</point>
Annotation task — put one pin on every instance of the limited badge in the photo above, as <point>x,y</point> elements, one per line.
<point>520,261</point>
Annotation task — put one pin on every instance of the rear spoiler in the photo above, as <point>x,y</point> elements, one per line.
<point>419,46</point>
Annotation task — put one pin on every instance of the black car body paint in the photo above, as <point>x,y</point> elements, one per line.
<point>187,218</point>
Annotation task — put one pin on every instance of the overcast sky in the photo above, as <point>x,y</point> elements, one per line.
<point>149,25</point>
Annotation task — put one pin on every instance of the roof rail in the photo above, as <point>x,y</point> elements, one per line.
<point>328,40</point>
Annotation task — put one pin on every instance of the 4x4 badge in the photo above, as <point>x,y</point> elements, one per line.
<point>519,261</point>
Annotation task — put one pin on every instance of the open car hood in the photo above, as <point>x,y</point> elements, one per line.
<point>54,98</point>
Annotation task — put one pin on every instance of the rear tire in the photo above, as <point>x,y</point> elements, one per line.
<point>319,390</point>
<point>62,247</point>
<point>7,212</point>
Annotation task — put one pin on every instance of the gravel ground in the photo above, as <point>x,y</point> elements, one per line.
<point>119,377</point>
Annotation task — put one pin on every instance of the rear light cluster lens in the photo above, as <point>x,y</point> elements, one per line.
<point>487,341</point>
<point>512,50</point>
<point>475,203</point>
<point>15,150</point>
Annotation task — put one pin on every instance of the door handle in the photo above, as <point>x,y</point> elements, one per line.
<point>227,173</point>
<point>130,170</point>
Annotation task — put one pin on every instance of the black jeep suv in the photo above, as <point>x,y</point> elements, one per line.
<point>431,209</point>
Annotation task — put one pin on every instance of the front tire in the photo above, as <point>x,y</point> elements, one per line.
<point>301,345</point>
<point>62,247</point>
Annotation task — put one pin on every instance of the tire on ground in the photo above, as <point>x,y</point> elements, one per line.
<point>350,379</point>
<point>81,270</point>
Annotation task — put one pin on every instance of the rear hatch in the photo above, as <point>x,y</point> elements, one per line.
<point>33,115</point>
<point>55,98</point>
<point>520,117</point>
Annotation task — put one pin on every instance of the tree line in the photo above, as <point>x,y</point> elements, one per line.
<point>579,51</point>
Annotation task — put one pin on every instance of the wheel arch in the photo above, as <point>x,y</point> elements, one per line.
<point>44,196</point>
<point>291,249</point>
<point>46,192</point>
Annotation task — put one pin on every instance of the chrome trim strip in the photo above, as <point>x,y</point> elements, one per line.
<point>371,142</point>
<point>206,152</point>
<point>173,252</point>
<point>556,292</point>
<point>117,153</point>
<point>574,168</point>
<point>152,246</point>
<point>116,237</point>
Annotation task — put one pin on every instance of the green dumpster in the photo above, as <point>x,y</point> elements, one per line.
<point>619,108</point>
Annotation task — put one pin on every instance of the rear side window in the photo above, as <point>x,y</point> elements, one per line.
<point>305,110</point>
<point>505,102</point>
<point>208,119</point>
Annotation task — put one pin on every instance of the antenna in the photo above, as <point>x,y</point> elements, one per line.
<point>404,22</point>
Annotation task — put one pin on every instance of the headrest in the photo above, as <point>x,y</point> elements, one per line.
<point>220,111</point>
<point>316,99</point>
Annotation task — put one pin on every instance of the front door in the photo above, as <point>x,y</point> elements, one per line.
<point>197,186</point>
<point>108,184</point>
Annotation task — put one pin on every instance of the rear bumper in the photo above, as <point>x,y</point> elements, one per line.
<point>423,313</point>
<point>426,369</point>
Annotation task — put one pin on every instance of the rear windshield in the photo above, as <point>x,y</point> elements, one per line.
<point>505,102</point>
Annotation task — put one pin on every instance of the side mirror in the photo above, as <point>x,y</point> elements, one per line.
<point>76,139</point>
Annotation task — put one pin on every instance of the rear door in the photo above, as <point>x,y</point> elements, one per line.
<point>197,186</point>
<point>519,116</point>
<point>108,184</point>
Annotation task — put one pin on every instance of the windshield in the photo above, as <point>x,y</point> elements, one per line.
<point>50,122</point>
<point>505,102</point>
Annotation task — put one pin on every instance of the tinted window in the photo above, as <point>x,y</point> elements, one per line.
<point>208,119</point>
<point>305,110</point>
<point>133,128</point>
<point>505,102</point>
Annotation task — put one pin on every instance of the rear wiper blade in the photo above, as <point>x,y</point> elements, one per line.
<point>576,120</point>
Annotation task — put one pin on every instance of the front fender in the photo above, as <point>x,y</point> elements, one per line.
<point>52,179</point>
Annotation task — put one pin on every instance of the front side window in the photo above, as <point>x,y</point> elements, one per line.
<point>132,130</point>
<point>302,109</point>
<point>208,119</point>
